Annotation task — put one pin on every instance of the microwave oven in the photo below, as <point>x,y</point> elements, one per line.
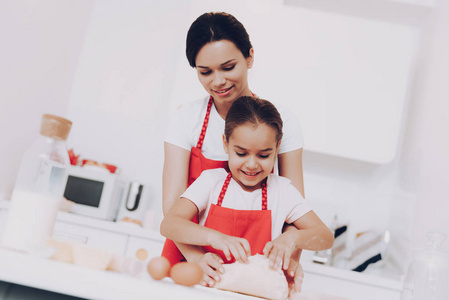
<point>95,191</point>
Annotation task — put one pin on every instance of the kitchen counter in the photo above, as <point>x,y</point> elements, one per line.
<point>63,278</point>
<point>68,279</point>
<point>126,239</point>
<point>306,260</point>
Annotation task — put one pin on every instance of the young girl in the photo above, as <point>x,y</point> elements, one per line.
<point>242,211</point>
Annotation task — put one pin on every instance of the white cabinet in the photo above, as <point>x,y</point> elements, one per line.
<point>103,239</point>
<point>348,289</point>
<point>348,284</point>
<point>122,238</point>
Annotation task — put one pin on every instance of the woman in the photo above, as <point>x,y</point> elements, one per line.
<point>218,46</point>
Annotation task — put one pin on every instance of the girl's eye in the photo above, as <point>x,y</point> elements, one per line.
<point>229,68</point>
<point>240,154</point>
<point>205,73</point>
<point>264,156</point>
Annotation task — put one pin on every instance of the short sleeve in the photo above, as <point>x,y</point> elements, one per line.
<point>292,135</point>
<point>297,206</point>
<point>200,190</point>
<point>178,131</point>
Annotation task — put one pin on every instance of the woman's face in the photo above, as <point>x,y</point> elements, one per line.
<point>223,71</point>
<point>252,151</point>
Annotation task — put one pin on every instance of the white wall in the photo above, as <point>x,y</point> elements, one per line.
<point>122,84</point>
<point>430,130</point>
<point>40,44</point>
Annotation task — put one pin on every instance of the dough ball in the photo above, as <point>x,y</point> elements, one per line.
<point>254,278</point>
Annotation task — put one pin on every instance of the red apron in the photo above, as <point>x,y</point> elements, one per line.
<point>253,225</point>
<point>198,163</point>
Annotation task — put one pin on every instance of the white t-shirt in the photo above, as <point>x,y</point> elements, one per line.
<point>284,200</point>
<point>185,127</point>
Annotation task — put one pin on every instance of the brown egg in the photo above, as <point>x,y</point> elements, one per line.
<point>158,267</point>
<point>186,273</point>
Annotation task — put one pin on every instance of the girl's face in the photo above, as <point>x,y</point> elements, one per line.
<point>252,152</point>
<point>223,71</point>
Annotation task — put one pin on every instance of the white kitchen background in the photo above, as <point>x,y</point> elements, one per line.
<point>368,82</point>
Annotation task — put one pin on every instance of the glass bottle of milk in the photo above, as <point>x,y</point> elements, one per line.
<point>39,188</point>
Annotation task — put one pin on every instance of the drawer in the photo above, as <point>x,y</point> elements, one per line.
<point>101,239</point>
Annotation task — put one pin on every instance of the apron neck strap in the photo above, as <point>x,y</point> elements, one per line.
<point>225,188</point>
<point>199,145</point>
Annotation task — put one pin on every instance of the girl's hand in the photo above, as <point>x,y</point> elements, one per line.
<point>211,264</point>
<point>280,250</point>
<point>231,245</point>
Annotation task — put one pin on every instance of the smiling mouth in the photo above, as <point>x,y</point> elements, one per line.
<point>251,173</point>
<point>223,91</point>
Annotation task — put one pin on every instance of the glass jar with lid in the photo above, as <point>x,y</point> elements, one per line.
<point>428,274</point>
<point>39,187</point>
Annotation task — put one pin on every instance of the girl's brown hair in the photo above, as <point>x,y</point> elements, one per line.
<point>254,111</point>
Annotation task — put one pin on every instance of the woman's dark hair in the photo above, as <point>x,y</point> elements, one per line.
<point>254,111</point>
<point>211,27</point>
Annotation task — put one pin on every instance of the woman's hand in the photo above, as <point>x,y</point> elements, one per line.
<point>294,274</point>
<point>211,264</point>
<point>280,250</point>
<point>230,245</point>
<point>283,249</point>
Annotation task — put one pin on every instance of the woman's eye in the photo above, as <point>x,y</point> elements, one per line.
<point>240,154</point>
<point>205,73</point>
<point>229,68</point>
<point>264,156</point>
